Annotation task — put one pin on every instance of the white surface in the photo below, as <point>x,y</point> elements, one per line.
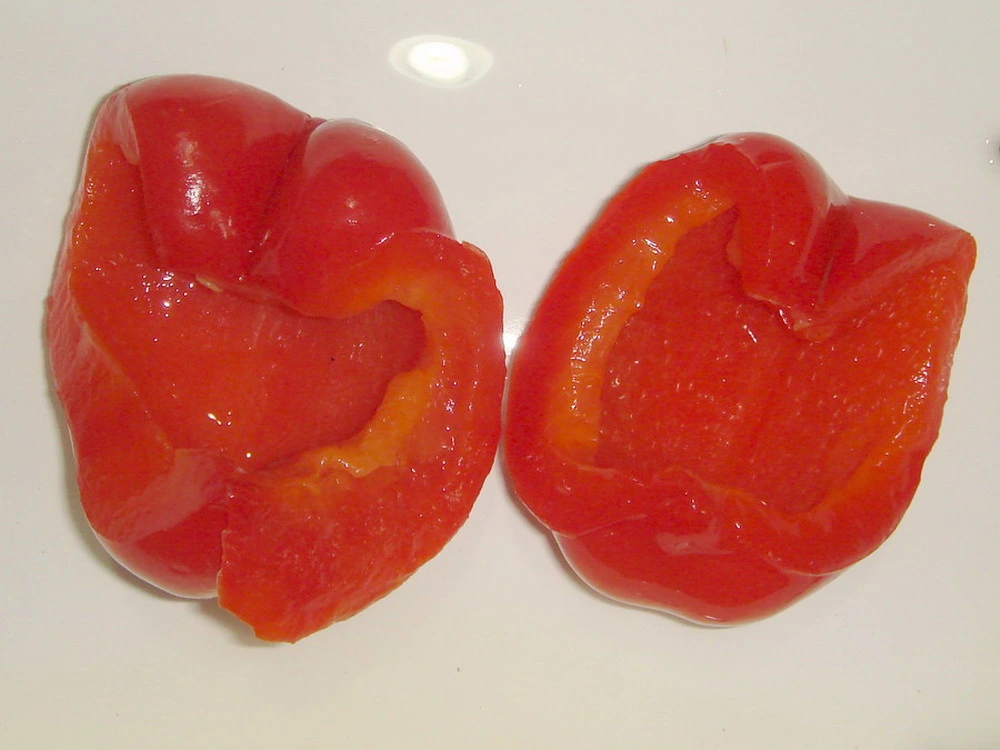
<point>493,644</point>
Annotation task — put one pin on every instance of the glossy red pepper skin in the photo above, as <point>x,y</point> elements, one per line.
<point>727,392</point>
<point>281,374</point>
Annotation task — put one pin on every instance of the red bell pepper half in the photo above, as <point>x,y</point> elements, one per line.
<point>727,393</point>
<point>281,374</point>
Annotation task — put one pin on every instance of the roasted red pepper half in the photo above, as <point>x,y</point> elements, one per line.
<point>281,374</point>
<point>727,392</point>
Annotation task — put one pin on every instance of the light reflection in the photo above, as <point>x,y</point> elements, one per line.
<point>441,61</point>
<point>511,333</point>
<point>510,341</point>
<point>223,421</point>
<point>194,188</point>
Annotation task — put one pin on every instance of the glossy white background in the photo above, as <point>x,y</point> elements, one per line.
<point>494,644</point>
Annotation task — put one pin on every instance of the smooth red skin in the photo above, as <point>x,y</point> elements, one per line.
<point>269,352</point>
<point>685,465</point>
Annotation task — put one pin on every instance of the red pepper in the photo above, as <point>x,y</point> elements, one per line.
<point>281,374</point>
<point>727,393</point>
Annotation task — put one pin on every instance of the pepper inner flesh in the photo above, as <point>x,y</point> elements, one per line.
<point>705,378</point>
